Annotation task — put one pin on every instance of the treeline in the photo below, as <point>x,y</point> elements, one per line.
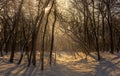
<point>22,22</point>
<point>29,25</point>
<point>93,24</point>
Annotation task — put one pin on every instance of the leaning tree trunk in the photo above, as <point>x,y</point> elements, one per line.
<point>43,38</point>
<point>52,40</point>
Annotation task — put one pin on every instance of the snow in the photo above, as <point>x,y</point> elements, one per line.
<point>66,65</point>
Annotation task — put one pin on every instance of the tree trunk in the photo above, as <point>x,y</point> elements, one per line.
<point>52,40</point>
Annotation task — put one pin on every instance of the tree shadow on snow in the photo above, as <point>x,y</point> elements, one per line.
<point>108,68</point>
<point>103,68</point>
<point>15,71</point>
<point>63,70</point>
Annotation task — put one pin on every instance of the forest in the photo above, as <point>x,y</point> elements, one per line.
<point>59,37</point>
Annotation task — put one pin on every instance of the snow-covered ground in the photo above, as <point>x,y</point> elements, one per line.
<point>67,65</point>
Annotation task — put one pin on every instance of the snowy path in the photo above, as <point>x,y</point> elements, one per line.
<point>67,66</point>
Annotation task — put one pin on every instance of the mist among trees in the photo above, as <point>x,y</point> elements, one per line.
<point>36,31</point>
